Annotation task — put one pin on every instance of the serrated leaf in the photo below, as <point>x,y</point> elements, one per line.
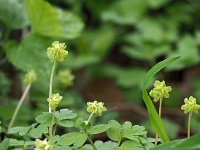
<point>60,24</point>
<point>98,129</point>
<point>19,130</point>
<point>45,118</point>
<point>64,114</point>
<point>114,133</point>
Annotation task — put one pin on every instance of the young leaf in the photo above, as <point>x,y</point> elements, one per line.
<point>98,129</point>
<point>155,120</point>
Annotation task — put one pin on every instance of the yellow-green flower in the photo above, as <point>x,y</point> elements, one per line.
<point>65,78</point>
<point>160,91</point>
<point>30,77</point>
<point>190,105</point>
<point>54,100</point>
<point>42,145</point>
<point>96,107</point>
<point>57,52</point>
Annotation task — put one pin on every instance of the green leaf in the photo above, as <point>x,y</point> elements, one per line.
<point>4,145</point>
<point>80,140</point>
<point>15,142</point>
<point>35,133</point>
<point>68,139</point>
<point>192,143</point>
<point>45,118</point>
<point>130,145</point>
<point>20,130</point>
<point>155,120</point>
<point>43,128</point>
<point>64,114</point>
<point>66,123</point>
<point>13,14</point>
<point>98,129</point>
<point>49,21</point>
<point>114,133</point>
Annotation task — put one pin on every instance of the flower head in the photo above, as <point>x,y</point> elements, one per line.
<point>65,78</point>
<point>57,52</point>
<point>160,91</point>
<point>30,77</point>
<point>42,145</point>
<point>190,105</point>
<point>54,100</point>
<point>96,107</point>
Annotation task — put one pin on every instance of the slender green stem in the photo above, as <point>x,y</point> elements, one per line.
<point>89,119</point>
<point>51,82</point>
<point>51,127</point>
<point>189,123</point>
<point>160,113</point>
<point>55,127</point>
<point>19,105</point>
<point>91,142</point>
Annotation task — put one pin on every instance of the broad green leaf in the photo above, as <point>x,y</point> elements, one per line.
<point>80,140</point>
<point>64,114</point>
<point>13,14</point>
<point>130,145</point>
<point>114,133</point>
<point>35,133</point>
<point>4,145</point>
<point>45,118</point>
<point>15,142</point>
<point>43,128</point>
<point>66,123</point>
<point>50,21</point>
<point>109,145</point>
<point>100,128</point>
<point>68,139</point>
<point>155,120</point>
<point>192,143</point>
<point>20,130</point>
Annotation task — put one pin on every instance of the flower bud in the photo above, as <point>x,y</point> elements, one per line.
<point>42,145</point>
<point>190,105</point>
<point>160,91</point>
<point>65,78</point>
<point>96,107</point>
<point>30,77</point>
<point>57,52</point>
<point>54,100</point>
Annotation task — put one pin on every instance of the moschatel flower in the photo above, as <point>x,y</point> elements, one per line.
<point>65,78</point>
<point>160,91</point>
<point>190,105</point>
<point>54,100</point>
<point>30,77</point>
<point>42,145</point>
<point>96,107</point>
<point>57,52</point>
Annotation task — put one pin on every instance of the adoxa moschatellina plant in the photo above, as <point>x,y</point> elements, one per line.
<point>158,93</point>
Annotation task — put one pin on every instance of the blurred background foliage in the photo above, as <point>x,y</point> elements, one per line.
<point>112,44</point>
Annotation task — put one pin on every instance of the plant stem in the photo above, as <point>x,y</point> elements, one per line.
<point>189,123</point>
<point>51,82</point>
<point>91,142</point>
<point>89,119</point>
<point>51,127</point>
<point>160,112</point>
<point>19,105</point>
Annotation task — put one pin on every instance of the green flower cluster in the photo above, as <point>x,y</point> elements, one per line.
<point>42,145</point>
<point>65,78</point>
<point>57,52</point>
<point>96,107</point>
<point>30,77</point>
<point>160,91</point>
<point>190,105</point>
<point>54,100</point>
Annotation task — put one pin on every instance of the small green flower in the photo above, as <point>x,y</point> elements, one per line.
<point>160,91</point>
<point>57,52</point>
<point>54,100</point>
<point>96,107</point>
<point>30,77</point>
<point>65,78</point>
<point>42,145</point>
<point>190,105</point>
